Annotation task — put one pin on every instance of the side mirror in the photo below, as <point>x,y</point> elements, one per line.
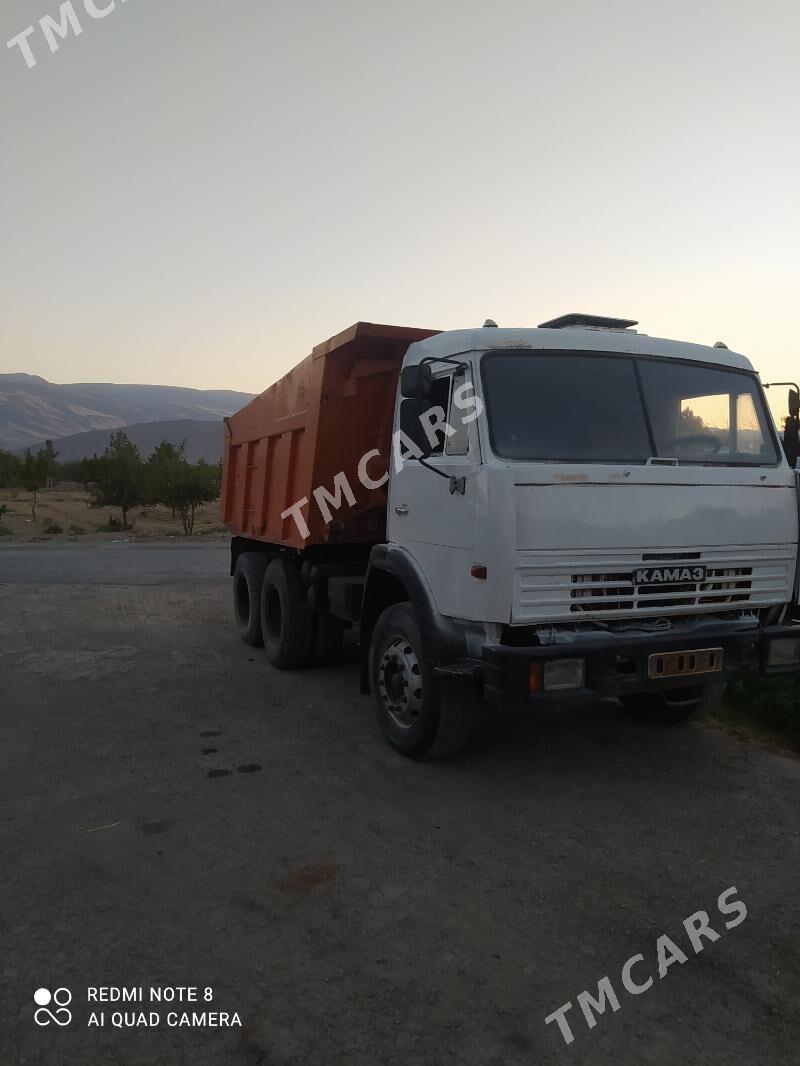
<point>794,403</point>
<point>415,381</point>
<point>791,439</point>
<point>411,411</point>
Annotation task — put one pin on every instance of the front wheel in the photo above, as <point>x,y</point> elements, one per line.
<point>674,706</point>
<point>418,717</point>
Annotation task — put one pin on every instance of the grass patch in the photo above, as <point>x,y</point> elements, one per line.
<point>767,709</point>
<point>52,527</point>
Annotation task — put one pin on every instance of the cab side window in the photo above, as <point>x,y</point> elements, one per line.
<point>458,444</point>
<point>440,397</point>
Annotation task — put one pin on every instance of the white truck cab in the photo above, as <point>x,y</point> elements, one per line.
<point>579,508</point>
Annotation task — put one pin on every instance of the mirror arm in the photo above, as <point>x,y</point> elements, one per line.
<point>449,362</point>
<point>458,485</point>
<point>773,384</point>
<point>425,463</point>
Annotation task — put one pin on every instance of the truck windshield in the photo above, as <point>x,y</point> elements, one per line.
<point>579,407</point>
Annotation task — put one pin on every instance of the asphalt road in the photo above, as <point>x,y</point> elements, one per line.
<point>174,812</point>
<point>114,563</point>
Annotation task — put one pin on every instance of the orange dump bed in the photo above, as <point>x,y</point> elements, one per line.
<point>318,420</point>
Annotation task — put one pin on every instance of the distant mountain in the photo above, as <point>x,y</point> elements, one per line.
<point>204,440</point>
<point>33,410</point>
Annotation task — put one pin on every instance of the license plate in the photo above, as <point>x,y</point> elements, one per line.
<point>682,663</point>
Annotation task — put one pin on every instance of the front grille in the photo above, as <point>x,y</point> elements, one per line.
<point>589,585</point>
<point>617,592</point>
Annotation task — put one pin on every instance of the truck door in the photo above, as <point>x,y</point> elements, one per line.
<point>436,525</point>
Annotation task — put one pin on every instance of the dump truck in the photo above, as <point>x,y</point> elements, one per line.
<point>525,515</point>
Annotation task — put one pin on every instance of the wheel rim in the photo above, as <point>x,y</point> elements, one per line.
<point>274,615</point>
<point>400,682</point>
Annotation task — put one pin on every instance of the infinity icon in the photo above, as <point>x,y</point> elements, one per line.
<point>62,997</point>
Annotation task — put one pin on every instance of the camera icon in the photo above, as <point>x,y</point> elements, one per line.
<point>60,1015</point>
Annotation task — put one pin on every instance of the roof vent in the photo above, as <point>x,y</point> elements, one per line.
<point>490,322</point>
<point>590,321</point>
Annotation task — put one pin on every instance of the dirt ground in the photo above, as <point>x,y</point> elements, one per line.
<point>174,812</point>
<point>70,509</point>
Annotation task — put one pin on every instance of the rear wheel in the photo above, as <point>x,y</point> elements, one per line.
<point>674,706</point>
<point>248,576</point>
<point>287,622</point>
<point>416,713</point>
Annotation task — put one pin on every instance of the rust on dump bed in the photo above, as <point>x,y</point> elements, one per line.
<point>317,420</point>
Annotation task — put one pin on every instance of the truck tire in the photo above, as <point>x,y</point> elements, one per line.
<point>674,706</point>
<point>248,576</point>
<point>328,639</point>
<point>420,717</point>
<point>287,621</point>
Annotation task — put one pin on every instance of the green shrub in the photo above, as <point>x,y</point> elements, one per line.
<point>774,703</point>
<point>75,531</point>
<point>52,527</point>
<point>114,525</point>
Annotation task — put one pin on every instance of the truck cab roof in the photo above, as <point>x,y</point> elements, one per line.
<point>572,338</point>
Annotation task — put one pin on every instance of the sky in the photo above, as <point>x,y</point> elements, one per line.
<point>196,192</point>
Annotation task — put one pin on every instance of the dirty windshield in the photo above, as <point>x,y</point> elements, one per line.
<point>579,407</point>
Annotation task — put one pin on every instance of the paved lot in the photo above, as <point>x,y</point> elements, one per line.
<point>115,563</point>
<point>353,907</point>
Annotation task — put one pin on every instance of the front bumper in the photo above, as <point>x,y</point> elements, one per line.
<point>619,668</point>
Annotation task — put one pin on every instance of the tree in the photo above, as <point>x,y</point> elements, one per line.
<point>34,476</point>
<point>199,483</point>
<point>163,474</point>
<point>10,470</point>
<point>72,470</point>
<point>692,425</point>
<point>175,482</point>
<point>49,457</point>
<point>118,476</point>
<point>88,470</point>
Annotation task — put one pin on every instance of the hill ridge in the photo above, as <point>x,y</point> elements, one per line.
<point>204,440</point>
<point>33,409</point>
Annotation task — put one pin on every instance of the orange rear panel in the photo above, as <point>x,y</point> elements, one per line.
<point>318,420</point>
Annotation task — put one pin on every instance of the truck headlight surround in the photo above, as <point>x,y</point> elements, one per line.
<point>563,674</point>
<point>784,651</point>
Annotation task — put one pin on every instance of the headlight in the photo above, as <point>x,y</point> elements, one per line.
<point>560,674</point>
<point>784,651</point>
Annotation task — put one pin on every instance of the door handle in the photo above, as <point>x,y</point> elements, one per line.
<point>402,509</point>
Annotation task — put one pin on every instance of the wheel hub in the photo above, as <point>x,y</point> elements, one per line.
<point>400,682</point>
